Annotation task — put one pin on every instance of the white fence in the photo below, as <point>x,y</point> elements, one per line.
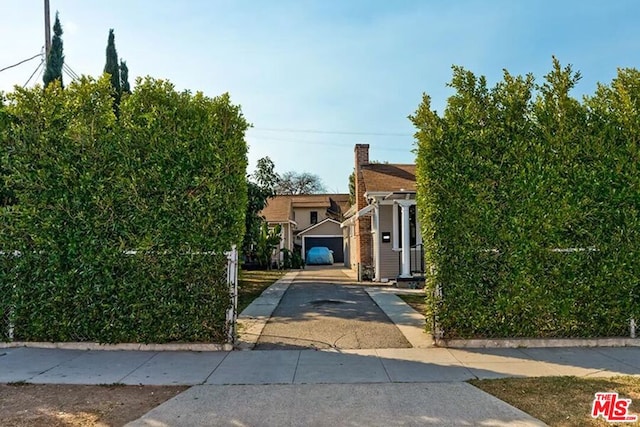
<point>232,280</point>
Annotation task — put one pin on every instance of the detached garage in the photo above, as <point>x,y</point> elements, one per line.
<point>326,233</point>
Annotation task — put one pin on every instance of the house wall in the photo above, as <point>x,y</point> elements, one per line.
<point>346,244</point>
<point>389,259</point>
<point>303,216</point>
<point>327,229</point>
<point>288,236</point>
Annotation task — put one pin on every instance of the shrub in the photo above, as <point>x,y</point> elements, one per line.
<point>166,180</point>
<point>529,205</point>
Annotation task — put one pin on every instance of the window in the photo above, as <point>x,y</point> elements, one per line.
<point>412,226</point>
<point>314,217</point>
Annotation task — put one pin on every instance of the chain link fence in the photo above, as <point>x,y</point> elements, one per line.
<point>8,294</point>
<point>559,295</point>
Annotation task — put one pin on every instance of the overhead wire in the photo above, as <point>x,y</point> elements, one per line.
<point>41,72</point>
<point>39,67</point>
<point>252,135</point>
<point>331,132</point>
<point>330,144</point>
<point>20,63</point>
<point>70,72</point>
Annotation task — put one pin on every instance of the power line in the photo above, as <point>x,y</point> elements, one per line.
<point>70,72</point>
<point>326,144</point>
<point>21,62</point>
<point>330,132</point>
<point>41,72</point>
<point>34,72</point>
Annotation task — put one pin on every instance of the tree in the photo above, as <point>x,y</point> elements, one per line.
<point>352,187</point>
<point>84,180</point>
<point>292,183</point>
<point>260,187</point>
<point>111,67</point>
<point>6,195</point>
<point>265,175</point>
<point>124,77</point>
<point>55,59</point>
<point>533,194</point>
<point>267,243</point>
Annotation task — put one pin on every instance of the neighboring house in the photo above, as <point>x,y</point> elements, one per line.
<point>308,221</point>
<point>381,230</point>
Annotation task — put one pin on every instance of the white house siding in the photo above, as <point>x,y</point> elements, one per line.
<point>346,244</point>
<point>303,216</point>
<point>389,258</point>
<point>349,242</point>
<point>327,229</point>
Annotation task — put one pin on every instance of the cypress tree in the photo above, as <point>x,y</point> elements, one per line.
<point>111,67</point>
<point>124,77</point>
<point>55,60</point>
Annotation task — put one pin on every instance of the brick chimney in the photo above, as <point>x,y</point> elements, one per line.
<point>364,241</point>
<point>362,158</point>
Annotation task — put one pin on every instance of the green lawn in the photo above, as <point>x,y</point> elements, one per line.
<point>417,302</point>
<point>252,283</point>
<point>562,401</point>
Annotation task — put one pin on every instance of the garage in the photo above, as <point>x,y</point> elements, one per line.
<point>333,243</point>
<point>326,233</point>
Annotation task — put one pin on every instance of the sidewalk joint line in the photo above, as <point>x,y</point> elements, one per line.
<point>53,367</point>
<point>295,371</point>
<point>616,359</point>
<point>138,367</point>
<point>462,364</point>
<point>216,367</point>
<point>383,366</point>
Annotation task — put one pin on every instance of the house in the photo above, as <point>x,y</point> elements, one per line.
<point>381,230</point>
<point>308,221</point>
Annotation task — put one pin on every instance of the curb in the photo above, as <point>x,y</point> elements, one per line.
<point>119,347</point>
<point>542,343</point>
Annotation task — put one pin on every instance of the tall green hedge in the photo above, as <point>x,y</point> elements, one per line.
<point>121,224</point>
<point>530,205</point>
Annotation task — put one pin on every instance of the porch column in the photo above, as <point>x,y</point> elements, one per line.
<point>405,270</point>
<point>395,227</point>
<point>282,232</point>
<point>376,240</point>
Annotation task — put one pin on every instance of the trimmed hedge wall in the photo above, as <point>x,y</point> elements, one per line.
<point>166,179</point>
<point>530,206</point>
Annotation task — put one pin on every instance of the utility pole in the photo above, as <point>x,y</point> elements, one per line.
<point>47,30</point>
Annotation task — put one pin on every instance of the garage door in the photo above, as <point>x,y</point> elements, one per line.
<point>333,243</point>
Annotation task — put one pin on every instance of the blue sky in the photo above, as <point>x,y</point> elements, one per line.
<point>316,77</point>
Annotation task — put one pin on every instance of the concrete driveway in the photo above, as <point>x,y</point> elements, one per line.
<point>325,308</point>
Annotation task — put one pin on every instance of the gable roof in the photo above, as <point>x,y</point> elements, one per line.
<point>280,208</point>
<point>388,177</point>
<point>313,226</point>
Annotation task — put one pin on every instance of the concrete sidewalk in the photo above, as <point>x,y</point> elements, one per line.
<point>416,404</point>
<point>386,387</point>
<point>382,366</point>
